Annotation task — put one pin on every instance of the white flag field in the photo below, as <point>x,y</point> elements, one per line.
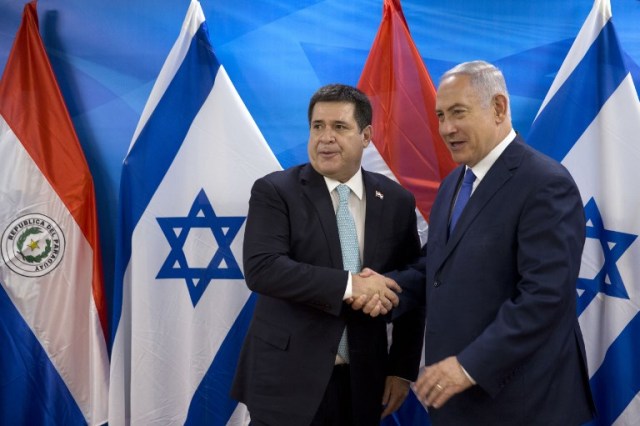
<point>181,304</point>
<point>590,120</point>
<point>54,364</point>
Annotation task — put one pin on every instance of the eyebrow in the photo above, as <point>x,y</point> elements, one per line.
<point>457,105</point>
<point>330,122</point>
<point>452,107</point>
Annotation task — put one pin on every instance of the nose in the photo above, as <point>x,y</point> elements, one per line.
<point>446,127</point>
<point>327,135</point>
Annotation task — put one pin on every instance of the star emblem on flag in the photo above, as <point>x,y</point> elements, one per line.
<point>614,244</point>
<point>222,265</point>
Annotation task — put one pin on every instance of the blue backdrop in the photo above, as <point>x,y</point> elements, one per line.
<point>107,53</point>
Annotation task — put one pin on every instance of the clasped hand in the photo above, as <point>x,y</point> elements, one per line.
<point>373,293</point>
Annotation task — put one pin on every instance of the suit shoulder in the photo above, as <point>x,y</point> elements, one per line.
<point>387,184</point>
<point>543,165</point>
<point>285,176</point>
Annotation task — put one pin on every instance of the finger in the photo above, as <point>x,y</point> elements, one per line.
<point>392,406</point>
<point>441,398</point>
<point>392,285</point>
<point>385,402</point>
<point>432,395</point>
<point>383,310</point>
<point>371,304</point>
<point>349,300</point>
<point>376,311</point>
<point>359,303</point>
<point>386,395</point>
<point>396,399</point>
<point>388,409</point>
<point>425,384</point>
<point>386,412</point>
<point>386,304</point>
<point>392,297</point>
<point>366,272</point>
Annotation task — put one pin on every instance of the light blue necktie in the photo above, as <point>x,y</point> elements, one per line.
<point>350,249</point>
<point>463,197</point>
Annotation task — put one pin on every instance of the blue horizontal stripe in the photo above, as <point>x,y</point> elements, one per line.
<point>410,413</point>
<point>581,97</point>
<point>211,404</point>
<point>156,147</point>
<point>617,381</point>
<point>31,390</point>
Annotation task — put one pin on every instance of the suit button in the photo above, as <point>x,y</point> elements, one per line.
<point>436,283</point>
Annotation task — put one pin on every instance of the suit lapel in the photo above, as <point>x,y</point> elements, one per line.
<point>373,216</point>
<point>440,213</point>
<point>315,190</point>
<point>501,171</point>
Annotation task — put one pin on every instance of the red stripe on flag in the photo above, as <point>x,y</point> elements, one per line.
<point>404,122</point>
<point>32,104</point>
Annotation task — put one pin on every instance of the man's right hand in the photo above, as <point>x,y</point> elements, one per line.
<point>373,293</point>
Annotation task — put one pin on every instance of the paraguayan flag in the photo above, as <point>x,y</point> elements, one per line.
<point>590,120</point>
<point>181,305</point>
<point>54,365</point>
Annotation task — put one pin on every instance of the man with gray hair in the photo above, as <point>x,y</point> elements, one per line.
<point>503,344</point>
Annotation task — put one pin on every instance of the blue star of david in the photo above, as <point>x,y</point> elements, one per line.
<point>223,264</point>
<point>613,244</point>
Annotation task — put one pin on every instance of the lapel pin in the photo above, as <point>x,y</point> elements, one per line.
<point>379,195</point>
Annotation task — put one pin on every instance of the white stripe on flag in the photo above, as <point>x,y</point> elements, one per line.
<point>618,119</point>
<point>174,326</point>
<point>373,161</point>
<point>598,17</point>
<point>60,312</point>
<point>192,21</point>
<point>590,121</point>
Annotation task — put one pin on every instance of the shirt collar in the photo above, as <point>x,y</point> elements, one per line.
<point>354,183</point>
<point>483,166</point>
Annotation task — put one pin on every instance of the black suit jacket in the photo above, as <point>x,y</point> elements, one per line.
<point>501,294</point>
<point>293,260</point>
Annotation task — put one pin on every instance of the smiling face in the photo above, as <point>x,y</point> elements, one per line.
<point>335,141</point>
<point>470,128</point>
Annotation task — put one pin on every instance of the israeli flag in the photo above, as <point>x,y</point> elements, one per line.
<point>181,305</point>
<point>590,120</point>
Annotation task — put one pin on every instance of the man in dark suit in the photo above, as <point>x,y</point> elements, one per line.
<point>503,345</point>
<point>290,370</point>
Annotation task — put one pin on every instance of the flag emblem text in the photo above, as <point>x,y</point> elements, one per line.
<point>32,245</point>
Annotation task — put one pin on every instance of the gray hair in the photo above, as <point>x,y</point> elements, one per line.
<point>485,78</point>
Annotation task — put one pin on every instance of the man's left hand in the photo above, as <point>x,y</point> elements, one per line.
<point>396,390</point>
<point>440,381</point>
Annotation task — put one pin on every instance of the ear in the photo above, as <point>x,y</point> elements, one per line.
<point>367,134</point>
<point>500,107</point>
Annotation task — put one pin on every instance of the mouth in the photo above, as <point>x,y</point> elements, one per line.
<point>456,145</point>
<point>327,154</point>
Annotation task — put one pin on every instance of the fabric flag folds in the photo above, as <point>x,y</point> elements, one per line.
<point>590,120</point>
<point>406,144</point>
<point>181,306</point>
<point>53,323</point>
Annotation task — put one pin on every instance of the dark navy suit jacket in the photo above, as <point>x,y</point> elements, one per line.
<point>293,260</point>
<point>501,294</point>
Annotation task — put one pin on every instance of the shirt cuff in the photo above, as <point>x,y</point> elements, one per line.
<point>467,374</point>
<point>349,290</point>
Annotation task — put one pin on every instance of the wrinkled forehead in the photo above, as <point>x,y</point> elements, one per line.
<point>455,90</point>
<point>333,111</point>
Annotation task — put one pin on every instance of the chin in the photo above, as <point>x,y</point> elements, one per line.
<point>458,159</point>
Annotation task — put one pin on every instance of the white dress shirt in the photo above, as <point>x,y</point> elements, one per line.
<point>357,208</point>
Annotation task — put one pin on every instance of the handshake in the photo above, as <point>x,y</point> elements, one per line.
<point>373,293</point>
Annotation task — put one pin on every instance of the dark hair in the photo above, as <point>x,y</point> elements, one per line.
<point>342,93</point>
